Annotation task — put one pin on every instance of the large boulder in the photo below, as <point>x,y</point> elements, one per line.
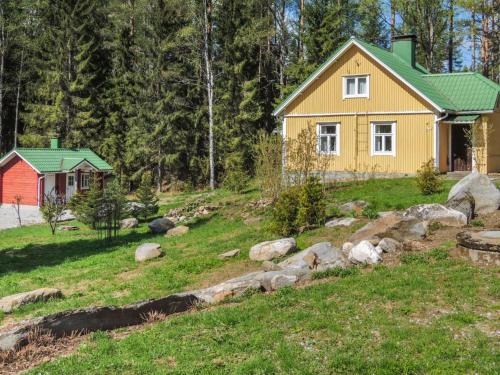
<point>408,228</point>
<point>437,213</point>
<point>464,203</point>
<point>177,231</point>
<point>389,245</point>
<point>161,225</point>
<point>148,251</point>
<point>13,302</point>
<point>129,223</point>
<point>364,252</point>
<point>269,250</point>
<point>376,227</point>
<point>481,188</point>
<point>326,256</point>
<point>341,222</point>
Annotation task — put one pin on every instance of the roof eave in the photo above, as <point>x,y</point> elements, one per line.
<point>6,157</point>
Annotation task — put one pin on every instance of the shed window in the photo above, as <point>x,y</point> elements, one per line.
<point>328,138</point>
<point>384,138</point>
<point>356,87</point>
<point>85,180</point>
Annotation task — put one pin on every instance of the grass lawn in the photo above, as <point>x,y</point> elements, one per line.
<point>430,315</point>
<point>90,271</point>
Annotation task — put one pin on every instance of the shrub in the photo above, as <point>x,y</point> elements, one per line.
<point>370,213</point>
<point>268,163</point>
<point>428,179</point>
<point>147,197</point>
<point>311,203</point>
<point>86,206</point>
<point>236,180</point>
<point>477,223</point>
<point>285,211</point>
<point>52,209</point>
<point>299,206</point>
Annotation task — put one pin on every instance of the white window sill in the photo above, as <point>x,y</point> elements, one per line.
<point>355,96</point>
<point>328,153</point>
<point>383,154</point>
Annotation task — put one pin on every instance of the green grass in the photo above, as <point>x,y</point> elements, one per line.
<point>93,272</point>
<point>431,315</point>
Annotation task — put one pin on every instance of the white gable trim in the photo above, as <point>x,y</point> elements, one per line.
<point>332,59</point>
<point>9,156</point>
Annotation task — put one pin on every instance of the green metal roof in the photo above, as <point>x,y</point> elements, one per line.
<point>461,119</point>
<point>469,91</point>
<point>61,159</point>
<point>461,92</point>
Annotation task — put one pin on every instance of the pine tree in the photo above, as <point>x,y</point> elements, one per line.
<point>147,197</point>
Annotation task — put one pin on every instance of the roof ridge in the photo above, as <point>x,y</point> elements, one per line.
<point>449,74</point>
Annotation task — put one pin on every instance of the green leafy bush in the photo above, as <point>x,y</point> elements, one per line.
<point>299,206</point>
<point>429,180</point>
<point>370,213</point>
<point>236,180</point>
<point>477,223</point>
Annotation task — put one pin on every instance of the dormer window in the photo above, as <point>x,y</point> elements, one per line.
<point>356,87</point>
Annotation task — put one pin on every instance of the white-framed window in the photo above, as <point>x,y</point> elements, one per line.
<point>329,138</point>
<point>356,86</point>
<point>383,138</point>
<point>85,180</point>
<point>71,180</point>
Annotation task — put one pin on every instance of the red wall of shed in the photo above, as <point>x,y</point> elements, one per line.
<point>18,178</point>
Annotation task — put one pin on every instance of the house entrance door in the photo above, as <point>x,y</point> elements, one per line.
<point>70,186</point>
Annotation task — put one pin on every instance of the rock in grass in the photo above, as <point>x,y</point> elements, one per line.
<point>13,302</point>
<point>346,247</point>
<point>389,245</point>
<point>364,252</point>
<point>177,231</point>
<point>129,223</point>
<point>327,256</point>
<point>437,213</point>
<point>341,222</point>
<point>269,250</point>
<point>482,189</point>
<point>69,228</point>
<point>230,254</point>
<point>161,225</point>
<point>148,251</point>
<point>280,281</point>
<point>353,206</point>
<point>269,266</point>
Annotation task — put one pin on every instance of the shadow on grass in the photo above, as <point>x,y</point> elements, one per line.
<point>33,256</point>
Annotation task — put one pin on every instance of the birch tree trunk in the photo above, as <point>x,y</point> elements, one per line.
<point>207,37</point>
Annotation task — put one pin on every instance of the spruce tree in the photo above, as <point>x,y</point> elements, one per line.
<point>147,197</point>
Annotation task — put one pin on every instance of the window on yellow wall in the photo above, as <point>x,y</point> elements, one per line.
<point>356,87</point>
<point>328,138</point>
<point>383,138</point>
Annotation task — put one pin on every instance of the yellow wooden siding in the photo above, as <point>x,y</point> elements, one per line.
<point>414,142</point>
<point>493,146</point>
<point>386,93</point>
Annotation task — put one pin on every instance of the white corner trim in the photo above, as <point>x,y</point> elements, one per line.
<point>436,152</point>
<point>328,63</point>
<point>14,152</point>
<point>372,138</point>
<point>283,147</point>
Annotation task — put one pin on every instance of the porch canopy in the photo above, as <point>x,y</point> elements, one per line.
<point>460,119</point>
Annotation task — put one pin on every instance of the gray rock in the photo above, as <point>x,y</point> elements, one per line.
<point>341,222</point>
<point>481,188</point>
<point>66,215</point>
<point>376,227</point>
<point>353,206</point>
<point>129,223</point>
<point>94,319</point>
<point>230,254</point>
<point>346,247</point>
<point>148,251</point>
<point>268,266</point>
<point>269,280</point>
<point>409,228</point>
<point>280,281</point>
<point>464,203</point>
<point>161,225</point>
<point>270,250</point>
<point>437,213</point>
<point>328,257</point>
<point>68,228</point>
<point>134,208</point>
<point>384,213</point>
<point>13,302</point>
<point>389,245</point>
<point>364,252</point>
<point>177,231</point>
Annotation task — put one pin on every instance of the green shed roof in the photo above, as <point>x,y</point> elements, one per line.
<point>61,159</point>
<point>459,92</point>
<point>461,119</point>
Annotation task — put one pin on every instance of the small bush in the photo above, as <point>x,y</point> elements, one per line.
<point>429,180</point>
<point>477,223</point>
<point>439,254</point>
<point>236,180</point>
<point>299,206</point>
<point>370,213</point>
<point>311,204</point>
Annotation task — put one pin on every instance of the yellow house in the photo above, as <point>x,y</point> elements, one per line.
<point>378,110</point>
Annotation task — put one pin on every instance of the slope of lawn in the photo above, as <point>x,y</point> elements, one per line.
<point>90,271</point>
<point>430,315</point>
